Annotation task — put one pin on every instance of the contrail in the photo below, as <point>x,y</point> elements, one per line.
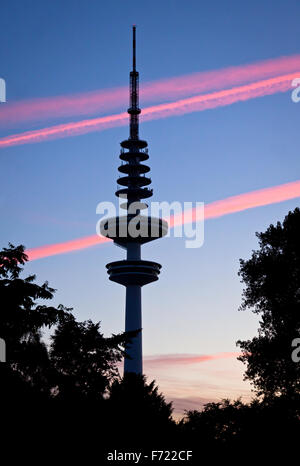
<point>104,100</point>
<point>215,209</point>
<point>68,246</point>
<point>180,107</point>
<point>233,204</point>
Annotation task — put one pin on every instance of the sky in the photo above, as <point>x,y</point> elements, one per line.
<point>50,189</point>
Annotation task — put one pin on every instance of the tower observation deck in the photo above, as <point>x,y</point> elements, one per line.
<point>133,229</point>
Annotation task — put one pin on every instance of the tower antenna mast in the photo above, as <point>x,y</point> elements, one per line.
<point>134,47</point>
<point>134,110</point>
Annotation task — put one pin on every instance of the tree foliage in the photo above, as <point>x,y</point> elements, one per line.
<point>79,360</point>
<point>85,361</point>
<point>73,379</point>
<point>272,279</point>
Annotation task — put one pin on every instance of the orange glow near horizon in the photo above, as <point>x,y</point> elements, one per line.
<point>180,107</point>
<point>104,100</point>
<point>212,210</point>
<point>189,386</point>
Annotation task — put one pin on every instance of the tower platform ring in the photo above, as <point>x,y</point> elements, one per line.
<point>129,168</point>
<point>133,272</point>
<point>147,229</point>
<point>138,181</point>
<point>140,193</point>
<point>128,156</point>
<point>132,143</point>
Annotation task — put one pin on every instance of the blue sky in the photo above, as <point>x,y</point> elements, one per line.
<point>49,191</point>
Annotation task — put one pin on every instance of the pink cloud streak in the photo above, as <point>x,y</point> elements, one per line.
<point>183,359</point>
<point>233,204</point>
<point>89,103</point>
<point>180,107</point>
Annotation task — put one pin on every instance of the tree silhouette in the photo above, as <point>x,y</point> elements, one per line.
<point>233,428</point>
<point>74,380</point>
<point>85,362</point>
<point>272,279</point>
<point>220,426</point>
<point>79,360</point>
<point>22,318</point>
<point>133,392</point>
<point>140,407</point>
<point>56,391</point>
<point>270,422</point>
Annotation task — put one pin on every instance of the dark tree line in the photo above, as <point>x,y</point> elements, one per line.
<point>271,422</point>
<point>78,362</point>
<point>69,387</point>
<point>272,278</point>
<point>69,392</point>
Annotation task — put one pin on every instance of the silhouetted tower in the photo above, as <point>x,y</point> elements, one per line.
<point>134,229</point>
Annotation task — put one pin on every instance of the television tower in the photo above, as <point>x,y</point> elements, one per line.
<point>132,230</point>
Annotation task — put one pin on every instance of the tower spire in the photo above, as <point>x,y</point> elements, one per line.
<point>133,48</point>
<point>134,110</point>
